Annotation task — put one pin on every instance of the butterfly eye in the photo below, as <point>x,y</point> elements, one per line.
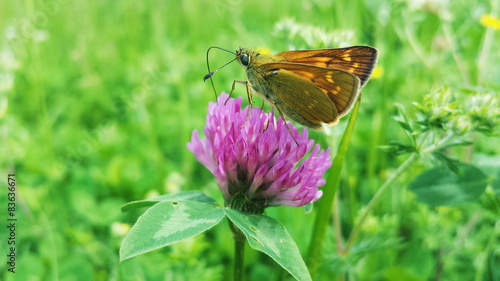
<point>244,60</point>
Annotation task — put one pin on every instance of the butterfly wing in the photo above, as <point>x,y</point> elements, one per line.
<point>317,94</point>
<point>358,60</point>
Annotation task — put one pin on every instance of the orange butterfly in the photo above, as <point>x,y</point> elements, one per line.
<point>309,86</point>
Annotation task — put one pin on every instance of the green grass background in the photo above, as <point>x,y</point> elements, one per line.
<point>99,98</point>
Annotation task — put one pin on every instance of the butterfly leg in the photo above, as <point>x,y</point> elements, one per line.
<point>282,115</point>
<point>249,93</point>
<point>247,85</point>
<point>233,86</point>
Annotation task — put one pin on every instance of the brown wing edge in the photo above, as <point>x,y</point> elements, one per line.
<point>362,51</point>
<point>350,103</point>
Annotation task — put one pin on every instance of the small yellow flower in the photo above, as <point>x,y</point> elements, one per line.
<point>490,21</point>
<point>264,50</point>
<point>377,72</point>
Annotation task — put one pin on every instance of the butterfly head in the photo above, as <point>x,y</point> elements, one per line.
<point>245,56</point>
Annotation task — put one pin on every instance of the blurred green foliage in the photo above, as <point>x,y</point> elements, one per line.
<point>99,98</point>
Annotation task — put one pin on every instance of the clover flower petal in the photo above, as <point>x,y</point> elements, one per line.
<point>256,160</point>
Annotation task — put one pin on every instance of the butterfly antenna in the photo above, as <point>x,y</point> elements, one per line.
<point>210,73</point>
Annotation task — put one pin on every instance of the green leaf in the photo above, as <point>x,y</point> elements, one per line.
<point>168,222</point>
<point>405,126</point>
<point>402,119</point>
<point>490,165</point>
<point>398,148</point>
<point>456,143</point>
<point>440,187</point>
<point>452,164</point>
<point>191,195</point>
<point>404,122</point>
<point>269,236</point>
<point>308,208</point>
<point>495,184</point>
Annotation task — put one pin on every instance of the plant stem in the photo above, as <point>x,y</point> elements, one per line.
<point>409,33</point>
<point>486,46</point>
<point>337,225</point>
<point>414,156</point>
<point>239,252</point>
<point>325,204</point>
<point>375,200</point>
